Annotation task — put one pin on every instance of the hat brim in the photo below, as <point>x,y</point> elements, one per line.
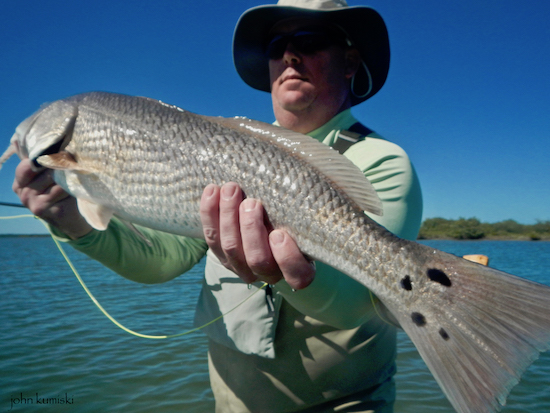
<point>364,25</point>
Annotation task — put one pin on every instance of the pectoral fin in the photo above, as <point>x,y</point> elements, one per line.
<point>98,216</point>
<point>62,160</point>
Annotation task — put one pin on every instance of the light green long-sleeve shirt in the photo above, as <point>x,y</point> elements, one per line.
<point>332,298</point>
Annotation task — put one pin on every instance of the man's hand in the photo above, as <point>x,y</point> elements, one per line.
<point>47,200</point>
<point>239,234</point>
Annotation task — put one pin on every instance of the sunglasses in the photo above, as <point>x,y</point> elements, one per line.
<point>307,42</point>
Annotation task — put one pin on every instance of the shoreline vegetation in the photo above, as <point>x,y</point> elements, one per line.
<point>473,229</point>
<point>456,229</point>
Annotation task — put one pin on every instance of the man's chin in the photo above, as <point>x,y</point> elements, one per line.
<point>294,99</point>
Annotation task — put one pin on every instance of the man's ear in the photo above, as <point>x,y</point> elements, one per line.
<point>353,60</point>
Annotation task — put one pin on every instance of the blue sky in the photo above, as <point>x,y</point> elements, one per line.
<point>468,94</point>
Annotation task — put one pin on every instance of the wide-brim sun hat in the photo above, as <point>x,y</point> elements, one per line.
<point>363,25</point>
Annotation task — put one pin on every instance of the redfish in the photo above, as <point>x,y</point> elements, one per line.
<point>146,162</point>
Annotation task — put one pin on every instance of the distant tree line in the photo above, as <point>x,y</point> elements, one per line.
<point>472,228</point>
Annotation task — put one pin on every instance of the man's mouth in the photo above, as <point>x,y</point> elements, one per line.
<point>292,74</point>
<point>292,77</point>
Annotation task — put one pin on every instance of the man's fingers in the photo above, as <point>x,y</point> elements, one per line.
<point>231,197</point>
<point>48,201</point>
<point>37,190</point>
<point>219,212</point>
<point>297,270</point>
<point>230,232</point>
<point>24,174</point>
<point>236,231</point>
<point>26,178</point>
<point>255,242</point>
<point>209,212</point>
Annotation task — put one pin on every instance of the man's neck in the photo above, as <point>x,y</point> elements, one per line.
<point>306,121</point>
<point>301,124</point>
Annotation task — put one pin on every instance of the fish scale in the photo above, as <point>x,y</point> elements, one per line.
<point>477,329</point>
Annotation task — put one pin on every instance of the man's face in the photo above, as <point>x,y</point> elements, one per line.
<point>305,81</point>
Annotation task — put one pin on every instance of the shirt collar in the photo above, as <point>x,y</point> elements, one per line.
<point>342,120</point>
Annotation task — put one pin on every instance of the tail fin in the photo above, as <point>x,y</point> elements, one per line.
<point>480,332</point>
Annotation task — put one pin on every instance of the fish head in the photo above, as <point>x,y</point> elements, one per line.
<point>47,131</point>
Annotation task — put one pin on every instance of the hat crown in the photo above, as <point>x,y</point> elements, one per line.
<point>314,4</point>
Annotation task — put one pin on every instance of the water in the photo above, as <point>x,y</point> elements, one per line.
<point>56,346</point>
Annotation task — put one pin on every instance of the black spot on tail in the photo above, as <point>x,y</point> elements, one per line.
<point>406,283</point>
<point>439,277</point>
<point>418,319</point>
<point>444,334</point>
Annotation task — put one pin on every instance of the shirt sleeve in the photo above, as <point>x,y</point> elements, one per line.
<point>161,258</point>
<point>333,297</point>
<point>388,168</point>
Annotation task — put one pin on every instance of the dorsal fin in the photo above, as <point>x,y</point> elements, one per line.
<point>335,167</point>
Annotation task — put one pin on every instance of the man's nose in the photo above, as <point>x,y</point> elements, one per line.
<point>291,55</point>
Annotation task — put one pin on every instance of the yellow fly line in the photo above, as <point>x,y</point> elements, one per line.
<point>81,281</point>
<point>18,216</point>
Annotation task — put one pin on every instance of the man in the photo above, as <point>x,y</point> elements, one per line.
<point>316,340</point>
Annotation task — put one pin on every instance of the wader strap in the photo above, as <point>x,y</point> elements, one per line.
<point>346,138</point>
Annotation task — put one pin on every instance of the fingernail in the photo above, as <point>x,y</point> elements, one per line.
<point>228,191</point>
<point>249,205</point>
<point>276,237</point>
<point>209,191</point>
